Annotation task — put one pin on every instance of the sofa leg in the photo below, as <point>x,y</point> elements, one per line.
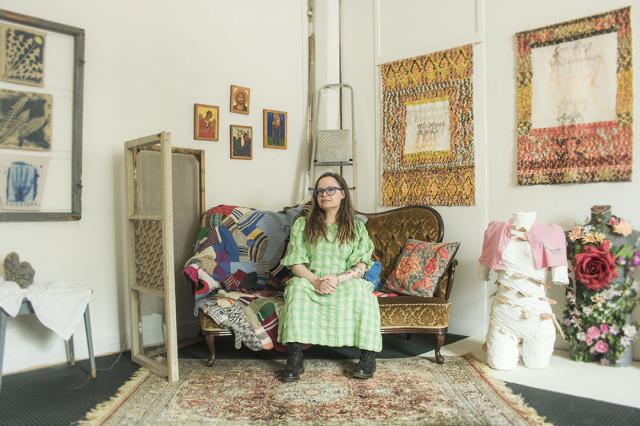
<point>439,342</point>
<point>209,337</point>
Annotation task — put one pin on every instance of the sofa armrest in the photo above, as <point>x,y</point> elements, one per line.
<point>446,282</point>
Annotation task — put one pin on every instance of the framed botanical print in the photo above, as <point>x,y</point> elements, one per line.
<point>241,142</point>
<point>206,122</point>
<point>41,99</point>
<point>22,55</point>
<point>240,99</point>
<point>274,129</point>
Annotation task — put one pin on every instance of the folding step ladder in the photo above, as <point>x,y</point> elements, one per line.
<point>334,147</point>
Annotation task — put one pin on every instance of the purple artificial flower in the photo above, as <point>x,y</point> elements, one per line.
<point>621,261</point>
<point>636,259</point>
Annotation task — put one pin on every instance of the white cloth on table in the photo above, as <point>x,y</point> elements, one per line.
<point>58,306</point>
<point>11,296</point>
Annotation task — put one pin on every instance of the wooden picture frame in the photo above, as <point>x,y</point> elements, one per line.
<point>241,142</point>
<point>63,168</point>
<point>206,122</point>
<point>274,129</point>
<point>240,99</point>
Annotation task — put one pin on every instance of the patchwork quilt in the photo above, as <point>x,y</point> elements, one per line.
<point>239,249</point>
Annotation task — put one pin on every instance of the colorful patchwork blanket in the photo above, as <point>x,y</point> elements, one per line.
<point>237,253</point>
<point>239,249</point>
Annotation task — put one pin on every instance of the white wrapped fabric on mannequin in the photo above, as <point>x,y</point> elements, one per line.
<point>526,255</point>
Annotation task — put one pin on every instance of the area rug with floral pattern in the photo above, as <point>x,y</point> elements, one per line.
<point>403,391</point>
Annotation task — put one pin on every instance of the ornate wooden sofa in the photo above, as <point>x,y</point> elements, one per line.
<point>401,314</point>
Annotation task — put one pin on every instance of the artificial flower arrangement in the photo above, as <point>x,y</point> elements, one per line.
<point>603,292</point>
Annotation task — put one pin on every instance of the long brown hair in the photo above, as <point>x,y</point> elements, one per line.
<point>316,226</point>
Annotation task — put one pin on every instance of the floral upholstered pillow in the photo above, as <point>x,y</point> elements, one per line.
<point>420,267</point>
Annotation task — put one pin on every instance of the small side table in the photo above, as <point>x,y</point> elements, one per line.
<point>27,309</point>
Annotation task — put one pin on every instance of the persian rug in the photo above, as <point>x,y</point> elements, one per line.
<point>575,101</point>
<point>427,130</point>
<point>403,391</point>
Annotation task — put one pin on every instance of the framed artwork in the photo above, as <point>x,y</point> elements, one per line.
<point>40,129</point>
<point>274,129</point>
<point>427,136</point>
<point>26,120</point>
<point>22,182</point>
<point>206,122</point>
<point>240,99</point>
<point>574,91</point>
<point>22,55</point>
<point>241,142</point>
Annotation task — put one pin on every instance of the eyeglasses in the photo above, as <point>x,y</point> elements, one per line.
<point>329,190</point>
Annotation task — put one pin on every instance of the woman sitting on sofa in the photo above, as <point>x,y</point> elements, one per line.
<point>327,302</point>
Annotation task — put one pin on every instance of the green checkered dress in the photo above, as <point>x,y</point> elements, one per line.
<point>348,317</point>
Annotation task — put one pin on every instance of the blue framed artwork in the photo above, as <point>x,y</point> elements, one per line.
<point>274,129</point>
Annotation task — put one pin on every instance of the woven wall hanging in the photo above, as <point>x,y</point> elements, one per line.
<point>427,136</point>
<point>575,101</point>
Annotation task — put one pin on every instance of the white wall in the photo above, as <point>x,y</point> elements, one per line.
<point>562,204</point>
<point>148,62</point>
<point>379,31</point>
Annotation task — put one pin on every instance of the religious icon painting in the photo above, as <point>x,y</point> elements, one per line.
<point>206,122</point>
<point>240,99</point>
<point>274,129</point>
<point>21,55</point>
<point>241,142</point>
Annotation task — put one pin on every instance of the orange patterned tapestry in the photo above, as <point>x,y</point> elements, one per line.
<point>427,137</point>
<point>575,101</point>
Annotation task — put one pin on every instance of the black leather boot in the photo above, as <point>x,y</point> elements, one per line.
<point>366,366</point>
<point>295,366</point>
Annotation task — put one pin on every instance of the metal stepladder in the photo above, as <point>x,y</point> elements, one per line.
<point>334,147</point>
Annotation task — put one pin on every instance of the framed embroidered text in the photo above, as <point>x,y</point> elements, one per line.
<point>575,101</point>
<point>427,130</point>
<point>41,98</point>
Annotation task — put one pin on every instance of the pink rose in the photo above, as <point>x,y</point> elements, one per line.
<point>602,346</point>
<point>593,332</point>
<point>588,340</point>
<point>623,228</point>
<point>604,328</point>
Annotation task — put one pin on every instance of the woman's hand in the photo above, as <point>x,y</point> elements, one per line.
<point>326,285</point>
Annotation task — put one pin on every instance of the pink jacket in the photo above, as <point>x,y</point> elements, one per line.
<point>548,244</point>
